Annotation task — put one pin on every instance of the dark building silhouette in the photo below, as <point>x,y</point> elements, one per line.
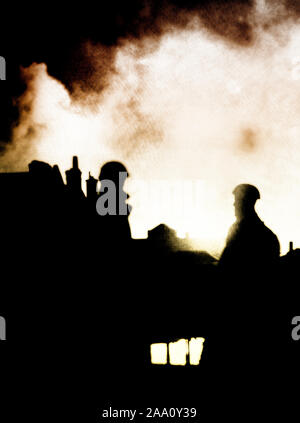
<point>292,256</point>
<point>163,237</point>
<point>12,183</point>
<point>96,299</point>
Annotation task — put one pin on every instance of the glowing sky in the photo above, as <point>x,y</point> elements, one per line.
<point>190,119</point>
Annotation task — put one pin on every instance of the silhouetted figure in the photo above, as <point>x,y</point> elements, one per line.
<point>112,205</point>
<point>250,244</point>
<point>113,237</point>
<point>246,349</point>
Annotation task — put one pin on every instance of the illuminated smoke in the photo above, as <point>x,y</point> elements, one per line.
<point>185,106</point>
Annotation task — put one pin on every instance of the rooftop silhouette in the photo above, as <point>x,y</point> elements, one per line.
<point>84,276</point>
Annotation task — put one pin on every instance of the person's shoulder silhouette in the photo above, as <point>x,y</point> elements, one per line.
<point>250,243</point>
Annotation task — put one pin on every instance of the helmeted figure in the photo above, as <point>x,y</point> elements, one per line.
<point>250,245</point>
<point>241,350</point>
<point>112,204</point>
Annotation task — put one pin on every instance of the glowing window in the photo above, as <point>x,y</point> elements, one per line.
<point>196,348</point>
<point>159,353</point>
<point>178,352</point>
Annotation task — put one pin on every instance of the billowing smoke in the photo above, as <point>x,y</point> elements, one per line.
<point>202,103</point>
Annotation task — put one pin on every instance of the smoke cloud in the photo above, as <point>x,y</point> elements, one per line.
<point>205,95</point>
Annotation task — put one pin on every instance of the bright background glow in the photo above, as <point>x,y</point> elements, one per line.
<point>194,108</point>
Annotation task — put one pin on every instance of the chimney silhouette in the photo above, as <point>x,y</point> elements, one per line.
<point>74,178</point>
<point>91,188</point>
<point>291,246</point>
<point>75,162</point>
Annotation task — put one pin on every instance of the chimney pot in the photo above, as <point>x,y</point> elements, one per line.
<point>75,162</point>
